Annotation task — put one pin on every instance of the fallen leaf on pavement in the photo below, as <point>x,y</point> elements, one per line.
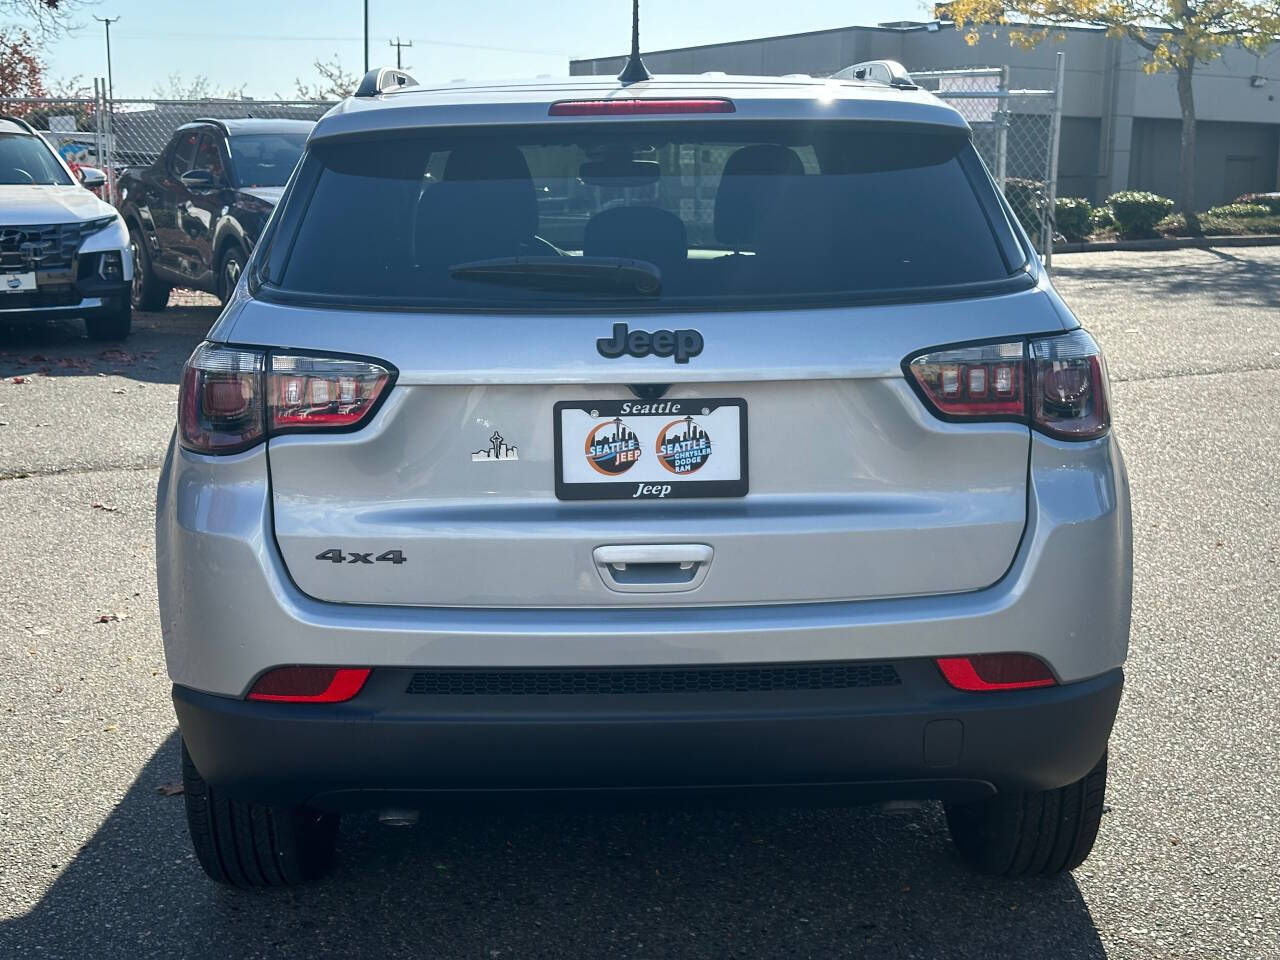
<point>107,618</point>
<point>102,506</point>
<point>169,789</point>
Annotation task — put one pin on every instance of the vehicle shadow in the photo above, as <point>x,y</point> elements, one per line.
<point>154,352</point>
<point>657,883</point>
<point>1230,276</point>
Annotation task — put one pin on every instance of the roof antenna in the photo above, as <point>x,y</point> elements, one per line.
<point>635,71</point>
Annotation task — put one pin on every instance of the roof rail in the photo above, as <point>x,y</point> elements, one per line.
<point>382,79</point>
<point>216,121</point>
<point>18,120</point>
<point>889,72</point>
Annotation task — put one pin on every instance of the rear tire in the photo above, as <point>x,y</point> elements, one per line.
<point>230,266</point>
<point>110,324</point>
<point>253,845</point>
<point>1038,833</point>
<point>147,291</point>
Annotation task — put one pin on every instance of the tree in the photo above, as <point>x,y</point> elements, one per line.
<point>199,88</point>
<point>21,70</point>
<point>47,17</point>
<point>1174,35</point>
<point>334,82</point>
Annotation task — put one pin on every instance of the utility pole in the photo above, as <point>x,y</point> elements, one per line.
<point>107,22</point>
<point>397,44</point>
<point>366,36</point>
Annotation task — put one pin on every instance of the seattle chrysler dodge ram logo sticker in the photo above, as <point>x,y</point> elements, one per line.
<point>681,344</point>
<point>612,448</point>
<point>683,446</point>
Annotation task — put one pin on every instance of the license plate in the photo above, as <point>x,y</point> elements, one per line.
<point>650,449</point>
<point>17,282</point>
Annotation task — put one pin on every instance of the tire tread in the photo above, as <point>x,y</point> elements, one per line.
<point>251,844</point>
<point>1036,833</point>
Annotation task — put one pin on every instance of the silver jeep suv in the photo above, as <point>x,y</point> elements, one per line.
<point>718,436</point>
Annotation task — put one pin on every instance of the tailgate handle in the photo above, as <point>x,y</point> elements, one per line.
<point>653,567</point>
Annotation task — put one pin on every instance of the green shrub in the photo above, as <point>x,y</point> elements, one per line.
<point>1102,218</point>
<point>1269,200</point>
<point>1241,210</point>
<point>1073,216</point>
<point>1137,212</point>
<point>1027,199</point>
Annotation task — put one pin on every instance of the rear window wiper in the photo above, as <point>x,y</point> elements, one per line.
<point>584,274</point>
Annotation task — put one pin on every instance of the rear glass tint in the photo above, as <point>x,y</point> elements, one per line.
<point>728,212</point>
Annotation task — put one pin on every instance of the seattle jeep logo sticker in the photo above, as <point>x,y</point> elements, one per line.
<point>612,448</point>
<point>683,446</point>
<point>681,344</point>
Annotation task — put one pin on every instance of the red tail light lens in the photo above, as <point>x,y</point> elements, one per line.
<point>309,684</point>
<point>1056,384</point>
<point>220,401</point>
<point>636,106</point>
<point>309,392</point>
<point>982,381</point>
<point>232,398</point>
<point>996,671</point>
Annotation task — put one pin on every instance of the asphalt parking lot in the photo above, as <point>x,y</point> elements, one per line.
<point>94,858</point>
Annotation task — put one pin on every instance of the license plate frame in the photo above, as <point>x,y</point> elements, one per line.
<point>26,282</point>
<point>653,475</point>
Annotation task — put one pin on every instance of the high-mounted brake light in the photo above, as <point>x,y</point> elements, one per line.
<point>309,684</point>
<point>638,106</point>
<point>233,398</point>
<point>996,671</point>
<point>1057,384</point>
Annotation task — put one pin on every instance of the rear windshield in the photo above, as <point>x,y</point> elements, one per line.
<point>703,214</point>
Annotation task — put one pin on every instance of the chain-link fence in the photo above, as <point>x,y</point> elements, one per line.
<point>1016,132</point>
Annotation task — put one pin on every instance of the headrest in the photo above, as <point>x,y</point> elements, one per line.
<point>639,233</point>
<point>483,207</point>
<point>739,203</point>
<point>481,162</point>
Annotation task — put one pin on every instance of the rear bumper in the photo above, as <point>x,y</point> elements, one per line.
<point>914,739</point>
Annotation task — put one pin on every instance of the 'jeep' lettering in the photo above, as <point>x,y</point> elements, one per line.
<point>682,344</point>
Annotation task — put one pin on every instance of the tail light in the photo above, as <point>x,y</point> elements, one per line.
<point>996,671</point>
<point>1057,384</point>
<point>309,684</point>
<point>309,392</point>
<point>220,408</point>
<point>233,398</point>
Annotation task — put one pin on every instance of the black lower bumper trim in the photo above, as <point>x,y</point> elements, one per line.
<point>916,739</point>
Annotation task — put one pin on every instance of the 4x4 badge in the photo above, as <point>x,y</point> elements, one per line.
<point>498,449</point>
<point>682,344</point>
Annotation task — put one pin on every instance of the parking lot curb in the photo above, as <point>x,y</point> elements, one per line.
<point>1170,243</point>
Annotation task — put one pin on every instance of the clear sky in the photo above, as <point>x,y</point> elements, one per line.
<point>267,43</point>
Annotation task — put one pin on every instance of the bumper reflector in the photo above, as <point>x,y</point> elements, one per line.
<point>309,684</point>
<point>996,671</point>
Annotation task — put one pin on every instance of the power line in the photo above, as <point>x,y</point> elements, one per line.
<point>397,44</point>
<point>282,38</point>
